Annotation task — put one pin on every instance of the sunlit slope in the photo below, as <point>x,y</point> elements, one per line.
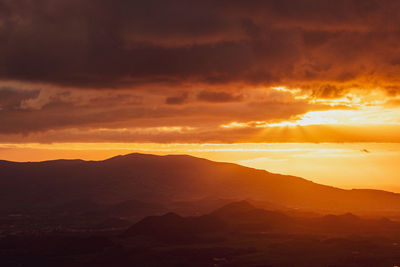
<point>172,178</point>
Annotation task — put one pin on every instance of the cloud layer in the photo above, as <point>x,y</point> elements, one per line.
<point>102,44</point>
<point>97,64</point>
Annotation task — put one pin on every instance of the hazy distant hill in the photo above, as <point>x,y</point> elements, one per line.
<point>168,179</point>
<point>242,217</point>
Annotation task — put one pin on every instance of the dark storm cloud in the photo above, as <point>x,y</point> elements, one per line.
<point>108,100</point>
<point>177,100</point>
<point>122,43</point>
<point>219,97</point>
<point>13,99</point>
<point>328,91</point>
<point>116,110</point>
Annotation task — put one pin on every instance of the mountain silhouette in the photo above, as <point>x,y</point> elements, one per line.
<point>174,228</point>
<point>242,217</point>
<point>233,209</point>
<point>171,179</point>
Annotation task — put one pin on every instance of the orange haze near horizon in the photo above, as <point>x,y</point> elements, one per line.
<point>347,165</point>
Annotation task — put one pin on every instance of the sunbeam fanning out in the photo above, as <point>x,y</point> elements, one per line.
<point>362,116</point>
<point>351,117</point>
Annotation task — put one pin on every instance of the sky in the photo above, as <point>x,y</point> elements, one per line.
<point>93,78</point>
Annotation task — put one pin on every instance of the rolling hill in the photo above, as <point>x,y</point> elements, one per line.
<point>171,179</point>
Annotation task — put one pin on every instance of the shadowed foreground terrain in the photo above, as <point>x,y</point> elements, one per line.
<point>145,210</point>
<point>238,234</point>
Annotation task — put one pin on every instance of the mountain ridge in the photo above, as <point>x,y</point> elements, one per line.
<point>183,156</point>
<point>243,217</point>
<point>169,178</point>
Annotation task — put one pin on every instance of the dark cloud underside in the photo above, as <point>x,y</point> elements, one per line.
<point>100,64</point>
<point>121,43</point>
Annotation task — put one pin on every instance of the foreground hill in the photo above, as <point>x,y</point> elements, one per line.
<point>237,234</point>
<point>169,179</point>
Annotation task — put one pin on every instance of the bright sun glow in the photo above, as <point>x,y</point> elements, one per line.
<point>362,116</point>
<point>366,116</point>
